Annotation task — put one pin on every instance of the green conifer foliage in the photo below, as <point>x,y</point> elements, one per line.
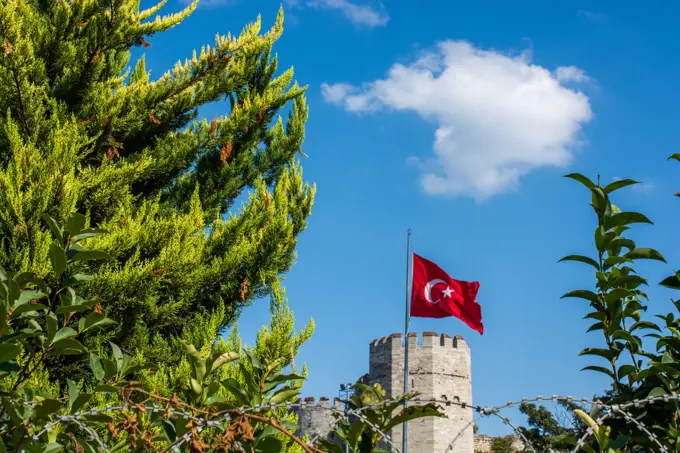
<point>83,130</point>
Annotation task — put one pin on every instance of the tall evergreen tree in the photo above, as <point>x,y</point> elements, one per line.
<point>82,130</point>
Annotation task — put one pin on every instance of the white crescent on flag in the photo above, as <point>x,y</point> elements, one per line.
<point>428,290</point>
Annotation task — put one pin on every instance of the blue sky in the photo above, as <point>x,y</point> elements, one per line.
<point>457,119</point>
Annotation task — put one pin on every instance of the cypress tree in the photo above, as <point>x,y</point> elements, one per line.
<point>81,129</point>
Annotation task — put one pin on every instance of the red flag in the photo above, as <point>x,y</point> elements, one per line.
<point>436,295</point>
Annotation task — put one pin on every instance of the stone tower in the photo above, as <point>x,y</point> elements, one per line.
<point>439,368</point>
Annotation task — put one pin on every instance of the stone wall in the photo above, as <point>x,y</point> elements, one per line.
<point>483,444</point>
<point>316,419</point>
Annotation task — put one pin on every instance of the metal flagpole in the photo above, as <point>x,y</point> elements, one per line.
<point>408,275</point>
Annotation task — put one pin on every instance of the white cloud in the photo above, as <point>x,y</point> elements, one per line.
<point>498,116</point>
<point>337,92</point>
<point>361,14</point>
<point>591,17</point>
<point>571,74</point>
<point>642,187</point>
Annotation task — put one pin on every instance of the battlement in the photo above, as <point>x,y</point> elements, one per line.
<point>323,403</point>
<point>316,418</point>
<point>427,340</point>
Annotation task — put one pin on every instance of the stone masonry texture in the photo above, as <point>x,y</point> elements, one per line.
<point>439,368</point>
<point>316,419</point>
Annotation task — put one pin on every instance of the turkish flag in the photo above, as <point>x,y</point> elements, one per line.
<point>435,294</point>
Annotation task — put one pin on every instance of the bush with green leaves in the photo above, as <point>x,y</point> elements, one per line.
<point>371,416</point>
<point>249,409</point>
<point>617,303</point>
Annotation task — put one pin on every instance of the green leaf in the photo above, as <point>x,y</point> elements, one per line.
<point>223,359</point>
<point>26,308</point>
<point>195,386</point>
<point>285,378</point>
<point>110,370</point>
<point>644,325</point>
<point>75,248</point>
<point>8,351</point>
<point>658,391</point>
<point>269,445</point>
<point>624,335</point>
<point>675,156</point>
<point>51,325</point>
<point>84,306</point>
<point>100,418</point>
<point>645,253</point>
<point>582,259</point>
<point>672,282</point>
<point>621,183</point>
<point>618,242</point>
<point>75,223</point>
<point>90,255</point>
<point>596,326</point>
<point>118,356</point>
<point>27,296</point>
<point>64,332</point>
<point>412,413</point>
<point>52,447</point>
<point>47,407</point>
<point>76,279</point>
<point>13,291</point>
<point>86,234</point>
<point>255,362</point>
<point>582,179</point>
<point>626,218</point>
<point>169,430</point>
<point>198,366</point>
<point>582,294</point>
<point>600,238</point>
<point>625,370</point>
<point>54,227</point>
<point>93,320</point>
<point>284,396</point>
<point>72,390</point>
<point>105,388</point>
<point>39,283</point>
<point>599,369</point>
<point>97,367</point>
<point>215,399</point>
<point>233,387</point>
<point>617,294</point>
<point>605,353</point>
<point>629,281</point>
<point>23,278</point>
<point>69,346</point>
<point>599,199</point>
<point>58,259</point>
<point>80,401</point>
<point>666,358</point>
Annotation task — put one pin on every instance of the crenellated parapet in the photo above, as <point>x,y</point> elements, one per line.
<point>315,418</point>
<point>428,340</point>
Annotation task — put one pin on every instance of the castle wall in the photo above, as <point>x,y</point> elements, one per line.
<point>316,419</point>
<point>483,444</point>
<point>439,368</point>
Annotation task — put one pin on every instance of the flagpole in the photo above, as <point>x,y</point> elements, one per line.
<point>407,318</point>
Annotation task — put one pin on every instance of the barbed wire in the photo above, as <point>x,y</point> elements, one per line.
<point>609,411</point>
